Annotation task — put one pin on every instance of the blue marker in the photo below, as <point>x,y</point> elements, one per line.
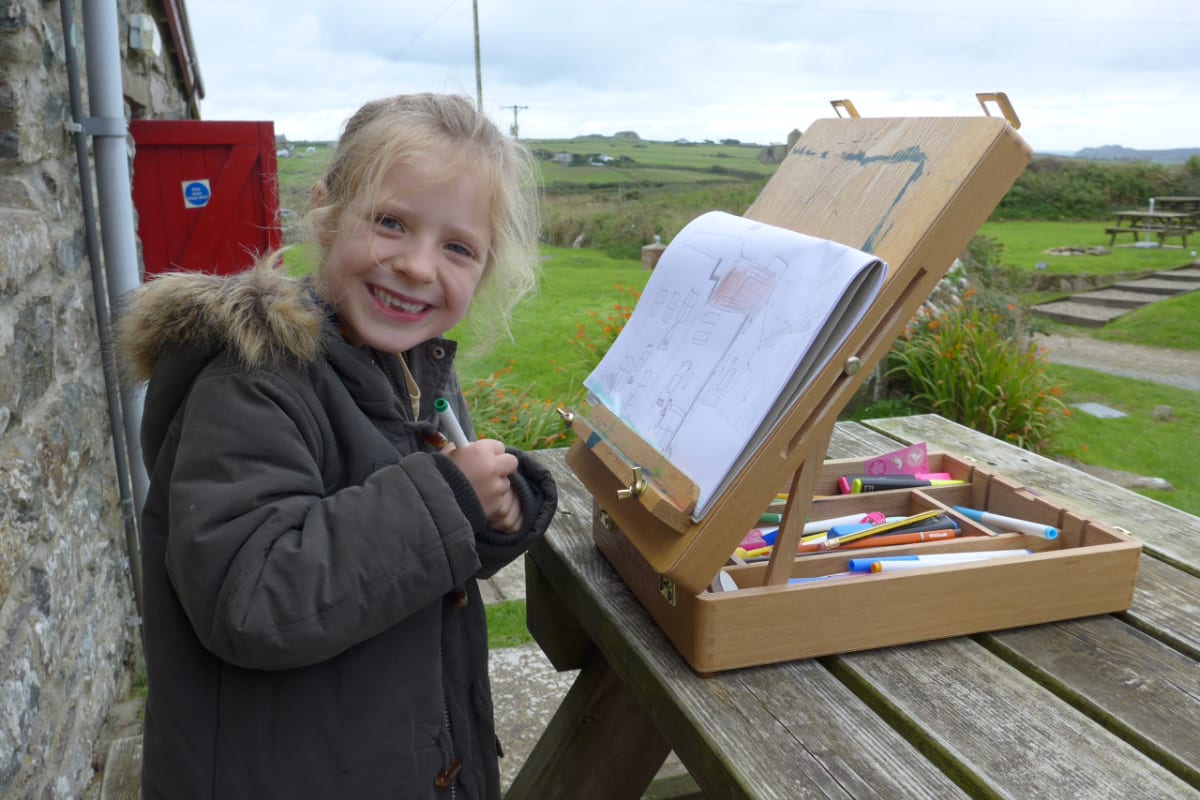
<point>816,578</point>
<point>1009,523</point>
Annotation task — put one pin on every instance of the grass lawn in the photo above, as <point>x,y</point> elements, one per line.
<point>574,283</point>
<point>1134,443</point>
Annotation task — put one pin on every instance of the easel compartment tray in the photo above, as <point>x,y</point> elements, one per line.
<point>1089,569</point>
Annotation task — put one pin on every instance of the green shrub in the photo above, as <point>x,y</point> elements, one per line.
<point>972,365</point>
<point>502,410</point>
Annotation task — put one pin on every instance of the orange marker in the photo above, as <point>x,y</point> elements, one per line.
<point>884,539</point>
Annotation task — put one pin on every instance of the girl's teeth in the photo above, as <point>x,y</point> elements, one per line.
<point>388,300</point>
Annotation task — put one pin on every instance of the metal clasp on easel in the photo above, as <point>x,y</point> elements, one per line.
<point>666,587</point>
<point>634,489</point>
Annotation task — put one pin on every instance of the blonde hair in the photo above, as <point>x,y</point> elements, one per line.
<point>448,128</point>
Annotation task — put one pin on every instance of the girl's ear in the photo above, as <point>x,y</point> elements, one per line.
<point>321,219</point>
<point>318,194</point>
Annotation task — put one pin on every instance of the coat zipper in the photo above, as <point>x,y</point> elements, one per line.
<point>446,722</point>
<point>381,362</point>
<point>387,370</point>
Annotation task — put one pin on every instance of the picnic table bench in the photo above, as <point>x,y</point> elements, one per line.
<point>1152,225</point>
<point>1100,707</point>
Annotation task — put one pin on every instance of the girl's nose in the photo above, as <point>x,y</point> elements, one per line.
<point>416,263</point>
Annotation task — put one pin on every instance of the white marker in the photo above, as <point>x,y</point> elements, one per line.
<point>1009,523</point>
<point>449,423</point>
<point>929,560</point>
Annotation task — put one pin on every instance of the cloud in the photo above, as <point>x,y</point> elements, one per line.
<point>712,69</point>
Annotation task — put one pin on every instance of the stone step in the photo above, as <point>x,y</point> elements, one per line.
<point>1187,278</point>
<point>1085,315</point>
<point>1114,298</point>
<point>1189,272</point>
<point>1155,285</point>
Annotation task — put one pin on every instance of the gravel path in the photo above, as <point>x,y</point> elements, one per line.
<point>1180,368</point>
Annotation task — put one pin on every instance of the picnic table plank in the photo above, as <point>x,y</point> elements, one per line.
<point>1115,672</point>
<point>1166,603</point>
<point>983,712</point>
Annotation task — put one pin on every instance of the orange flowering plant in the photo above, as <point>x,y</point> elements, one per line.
<point>972,364</point>
<point>502,410</point>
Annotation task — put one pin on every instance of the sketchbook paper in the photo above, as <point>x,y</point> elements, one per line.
<point>737,319</point>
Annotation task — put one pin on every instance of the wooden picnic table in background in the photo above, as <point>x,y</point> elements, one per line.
<point>1099,707</point>
<point>1182,204</point>
<point>1151,226</point>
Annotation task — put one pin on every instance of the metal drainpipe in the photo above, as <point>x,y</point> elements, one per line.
<point>119,272</point>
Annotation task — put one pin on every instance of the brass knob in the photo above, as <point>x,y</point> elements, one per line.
<point>568,417</point>
<point>634,489</point>
<point>853,364</point>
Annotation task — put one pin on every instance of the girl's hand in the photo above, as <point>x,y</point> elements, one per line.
<point>487,467</point>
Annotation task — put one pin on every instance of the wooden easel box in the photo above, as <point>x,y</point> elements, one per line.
<point>1089,569</point>
<point>912,191</point>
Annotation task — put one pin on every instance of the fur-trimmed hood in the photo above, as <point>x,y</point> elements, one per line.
<point>260,315</point>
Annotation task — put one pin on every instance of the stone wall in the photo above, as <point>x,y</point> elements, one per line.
<point>68,623</point>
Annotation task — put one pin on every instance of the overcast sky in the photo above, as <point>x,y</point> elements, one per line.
<point>1079,74</point>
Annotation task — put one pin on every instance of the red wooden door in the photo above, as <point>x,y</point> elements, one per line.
<point>206,193</point>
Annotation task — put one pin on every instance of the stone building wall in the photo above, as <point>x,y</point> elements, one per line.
<point>69,638</point>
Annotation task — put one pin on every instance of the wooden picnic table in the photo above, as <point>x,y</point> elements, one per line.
<point>1152,225</point>
<point>1178,203</point>
<point>1182,204</point>
<point>1100,707</point>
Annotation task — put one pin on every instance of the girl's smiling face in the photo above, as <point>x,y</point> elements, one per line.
<point>403,269</point>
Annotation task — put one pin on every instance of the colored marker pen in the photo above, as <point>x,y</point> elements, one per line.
<point>888,563</point>
<point>449,423</point>
<point>903,480</point>
<point>824,577</point>
<point>884,482</point>
<point>1009,523</point>
<point>939,559</point>
<point>889,539</point>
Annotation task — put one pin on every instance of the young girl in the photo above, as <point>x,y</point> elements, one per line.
<point>313,626</point>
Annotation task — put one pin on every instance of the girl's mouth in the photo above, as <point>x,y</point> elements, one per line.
<point>395,303</point>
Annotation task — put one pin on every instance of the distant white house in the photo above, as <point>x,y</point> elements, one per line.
<point>561,158</point>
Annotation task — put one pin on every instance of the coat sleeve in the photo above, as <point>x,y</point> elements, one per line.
<point>273,571</point>
<point>538,493</point>
<point>536,489</point>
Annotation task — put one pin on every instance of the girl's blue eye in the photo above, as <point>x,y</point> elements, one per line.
<point>389,222</point>
<point>461,249</point>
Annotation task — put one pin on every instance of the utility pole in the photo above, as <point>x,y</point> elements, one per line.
<point>478,70</point>
<point>515,128</point>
